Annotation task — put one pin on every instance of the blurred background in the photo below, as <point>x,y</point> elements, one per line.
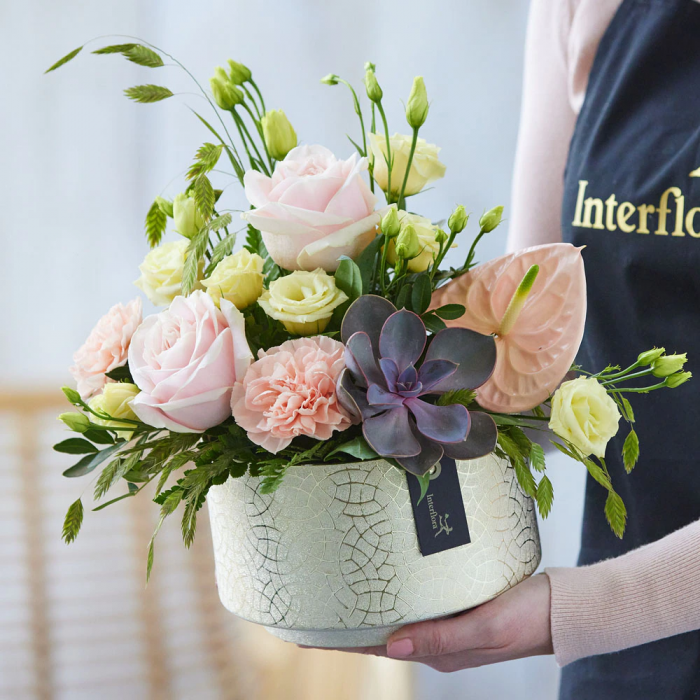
<point>81,166</point>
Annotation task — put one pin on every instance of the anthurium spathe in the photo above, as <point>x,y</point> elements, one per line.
<point>535,348</point>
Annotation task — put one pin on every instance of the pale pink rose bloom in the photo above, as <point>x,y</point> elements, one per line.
<point>313,209</point>
<point>185,360</point>
<point>106,347</point>
<point>290,391</point>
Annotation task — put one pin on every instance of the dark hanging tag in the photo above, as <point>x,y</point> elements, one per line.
<point>440,518</point>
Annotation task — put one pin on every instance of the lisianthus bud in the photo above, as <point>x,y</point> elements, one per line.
<point>374,92</point>
<point>417,105</point>
<point>646,358</point>
<point>440,236</point>
<point>77,422</point>
<point>491,219</point>
<point>186,215</point>
<point>370,66</point>
<point>407,244</point>
<point>165,205</point>
<point>238,73</point>
<point>115,400</point>
<point>330,79</point>
<point>390,225</point>
<point>666,365</point>
<point>226,94</point>
<point>676,380</point>
<point>458,220</point>
<point>280,136</point>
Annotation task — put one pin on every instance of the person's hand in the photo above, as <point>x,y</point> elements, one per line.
<point>514,625</point>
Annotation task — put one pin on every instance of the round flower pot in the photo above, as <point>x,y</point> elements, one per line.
<point>332,558</point>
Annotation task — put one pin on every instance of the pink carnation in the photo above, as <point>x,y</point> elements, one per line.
<point>290,391</point>
<point>106,348</point>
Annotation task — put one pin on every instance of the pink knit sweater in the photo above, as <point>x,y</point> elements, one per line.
<point>652,592</point>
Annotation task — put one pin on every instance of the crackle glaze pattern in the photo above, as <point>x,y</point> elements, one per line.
<point>332,556</point>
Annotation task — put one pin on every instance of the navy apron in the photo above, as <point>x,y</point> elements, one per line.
<point>629,196</point>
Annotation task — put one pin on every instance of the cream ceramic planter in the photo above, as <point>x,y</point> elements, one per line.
<point>332,557</point>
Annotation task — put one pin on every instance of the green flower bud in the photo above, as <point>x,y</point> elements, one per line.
<point>390,225</point>
<point>666,365</point>
<point>238,73</point>
<point>491,219</point>
<point>186,216</point>
<point>407,244</point>
<point>374,92</point>
<point>77,422</point>
<point>165,205</point>
<point>458,220</point>
<point>370,66</point>
<point>226,94</point>
<point>646,358</point>
<point>441,236</point>
<point>330,79</point>
<point>280,136</point>
<point>675,380</point>
<point>72,395</point>
<point>417,105</point>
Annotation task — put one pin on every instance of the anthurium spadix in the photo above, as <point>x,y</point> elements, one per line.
<point>537,330</point>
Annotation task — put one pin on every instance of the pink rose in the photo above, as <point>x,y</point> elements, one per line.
<point>106,347</point>
<point>290,391</point>
<point>313,209</point>
<point>185,360</point>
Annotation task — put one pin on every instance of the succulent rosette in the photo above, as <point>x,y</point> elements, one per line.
<point>390,379</point>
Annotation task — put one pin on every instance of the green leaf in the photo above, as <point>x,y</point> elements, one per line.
<point>114,48</point>
<point>348,279</point>
<point>145,94</point>
<point>90,462</point>
<point>204,196</point>
<point>149,559</point>
<point>195,252</point>
<point>629,413</point>
<point>254,243</point>
<point>433,323</point>
<point>537,457</point>
<point>630,451</point>
<point>223,248</point>
<point>68,57</point>
<point>114,471</point>
<point>143,56</point>
<point>545,496</point>
<point>234,162</point>
<point>450,312</point>
<point>366,261</point>
<point>404,297</point>
<point>155,225</point>
<point>616,513</point>
<point>525,478</point>
<point>424,481</point>
<point>420,296</point>
<point>75,446</point>
<point>357,448</point>
<point>205,161</point>
<point>598,473</point>
<point>461,396</point>
<point>73,521</point>
<point>99,436</point>
<point>521,440</point>
<point>120,374</point>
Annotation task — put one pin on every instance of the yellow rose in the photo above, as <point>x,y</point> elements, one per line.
<point>426,233</point>
<point>115,400</point>
<point>161,272</point>
<point>425,167</point>
<point>303,301</point>
<point>584,414</point>
<point>238,278</point>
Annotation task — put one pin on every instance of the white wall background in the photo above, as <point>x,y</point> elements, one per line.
<point>81,164</point>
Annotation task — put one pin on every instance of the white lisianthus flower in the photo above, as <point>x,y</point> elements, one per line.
<point>303,301</point>
<point>584,414</point>
<point>425,166</point>
<point>238,278</point>
<point>115,400</point>
<point>161,272</point>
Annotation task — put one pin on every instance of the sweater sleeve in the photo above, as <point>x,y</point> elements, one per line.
<point>650,593</point>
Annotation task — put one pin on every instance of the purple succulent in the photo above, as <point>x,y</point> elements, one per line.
<point>387,375</point>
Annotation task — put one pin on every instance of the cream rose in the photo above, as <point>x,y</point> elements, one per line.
<point>161,272</point>
<point>313,209</point>
<point>115,400</point>
<point>237,278</point>
<point>425,166</point>
<point>584,414</point>
<point>303,301</point>
<point>426,237</point>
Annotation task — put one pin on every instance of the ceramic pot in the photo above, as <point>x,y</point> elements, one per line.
<point>332,557</point>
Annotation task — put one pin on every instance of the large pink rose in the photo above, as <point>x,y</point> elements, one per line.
<point>290,391</point>
<point>106,347</point>
<point>313,209</point>
<point>185,360</point>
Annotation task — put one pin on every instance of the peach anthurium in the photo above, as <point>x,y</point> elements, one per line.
<point>537,347</point>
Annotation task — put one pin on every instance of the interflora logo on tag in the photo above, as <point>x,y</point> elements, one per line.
<point>439,522</point>
<point>593,212</point>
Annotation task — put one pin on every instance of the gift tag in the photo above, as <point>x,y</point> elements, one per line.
<point>441,521</point>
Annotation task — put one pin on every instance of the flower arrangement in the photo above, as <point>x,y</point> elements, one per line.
<point>335,332</point>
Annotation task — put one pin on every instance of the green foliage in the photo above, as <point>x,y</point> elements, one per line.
<point>204,196</point>
<point>627,410</point>
<point>121,374</point>
<point>114,48</point>
<point>450,312</point>
<point>223,248</point>
<point>91,461</point>
<point>357,448</point>
<point>465,397</point>
<point>73,521</point>
<point>68,57</point>
<point>424,481</point>
<point>143,56</point>
<point>433,322</point>
<point>145,94</point>
<point>537,457</point>
<point>616,513</point>
<point>421,294</point>
<point>75,446</point>
<point>630,451</point>
<point>155,224</point>
<point>545,496</point>
<point>114,471</point>
<point>237,168</point>
<point>195,252</point>
<point>261,330</point>
<point>367,262</point>
<point>205,160</point>
<point>348,278</point>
